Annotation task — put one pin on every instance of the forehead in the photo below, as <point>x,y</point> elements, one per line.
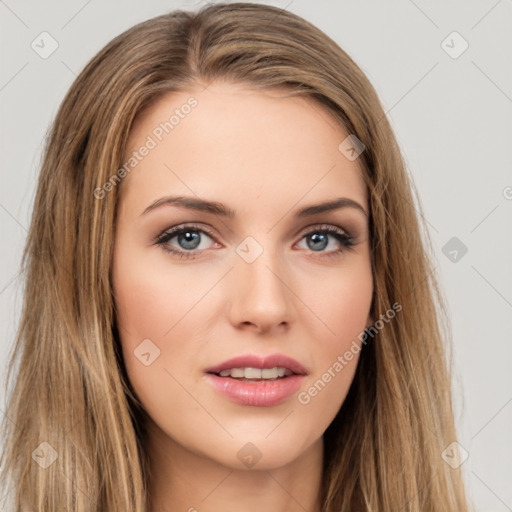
<point>240,146</point>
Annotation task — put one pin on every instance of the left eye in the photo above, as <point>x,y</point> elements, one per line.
<point>318,239</point>
<point>189,239</point>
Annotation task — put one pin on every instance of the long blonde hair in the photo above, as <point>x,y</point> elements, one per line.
<point>71,400</point>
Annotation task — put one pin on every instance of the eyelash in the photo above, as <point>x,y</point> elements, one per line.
<point>346,240</point>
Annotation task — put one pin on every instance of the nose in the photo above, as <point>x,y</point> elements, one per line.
<point>260,296</point>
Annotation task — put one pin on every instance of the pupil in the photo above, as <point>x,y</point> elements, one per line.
<point>191,239</point>
<point>319,241</point>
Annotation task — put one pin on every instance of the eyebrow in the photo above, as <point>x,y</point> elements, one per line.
<point>216,208</point>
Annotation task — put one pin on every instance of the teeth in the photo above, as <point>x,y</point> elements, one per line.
<point>252,373</point>
<point>256,373</point>
<point>269,373</point>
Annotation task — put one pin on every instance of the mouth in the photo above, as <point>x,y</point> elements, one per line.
<point>255,381</point>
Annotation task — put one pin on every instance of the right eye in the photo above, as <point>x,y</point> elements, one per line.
<point>188,237</point>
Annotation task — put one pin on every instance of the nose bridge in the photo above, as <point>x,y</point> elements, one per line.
<point>260,295</point>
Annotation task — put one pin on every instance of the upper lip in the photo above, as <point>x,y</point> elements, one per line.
<point>254,361</point>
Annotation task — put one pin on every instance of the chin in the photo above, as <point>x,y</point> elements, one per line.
<point>255,453</point>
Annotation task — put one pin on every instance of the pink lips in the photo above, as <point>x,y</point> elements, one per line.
<point>259,393</point>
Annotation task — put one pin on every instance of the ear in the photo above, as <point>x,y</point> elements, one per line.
<point>370,321</point>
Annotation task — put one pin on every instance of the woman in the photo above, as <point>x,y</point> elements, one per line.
<point>229,303</point>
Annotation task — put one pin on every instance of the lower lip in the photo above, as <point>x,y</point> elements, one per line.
<point>258,393</point>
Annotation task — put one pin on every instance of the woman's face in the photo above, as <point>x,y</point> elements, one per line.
<point>250,277</point>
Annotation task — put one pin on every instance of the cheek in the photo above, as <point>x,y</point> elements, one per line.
<point>346,304</point>
<point>342,305</point>
<point>148,310</point>
<point>160,312</point>
<point>339,306</point>
<point>143,300</point>
<point>150,297</point>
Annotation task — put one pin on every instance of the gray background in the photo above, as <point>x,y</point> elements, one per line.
<point>451,115</point>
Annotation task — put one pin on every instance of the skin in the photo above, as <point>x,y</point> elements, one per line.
<point>265,156</point>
